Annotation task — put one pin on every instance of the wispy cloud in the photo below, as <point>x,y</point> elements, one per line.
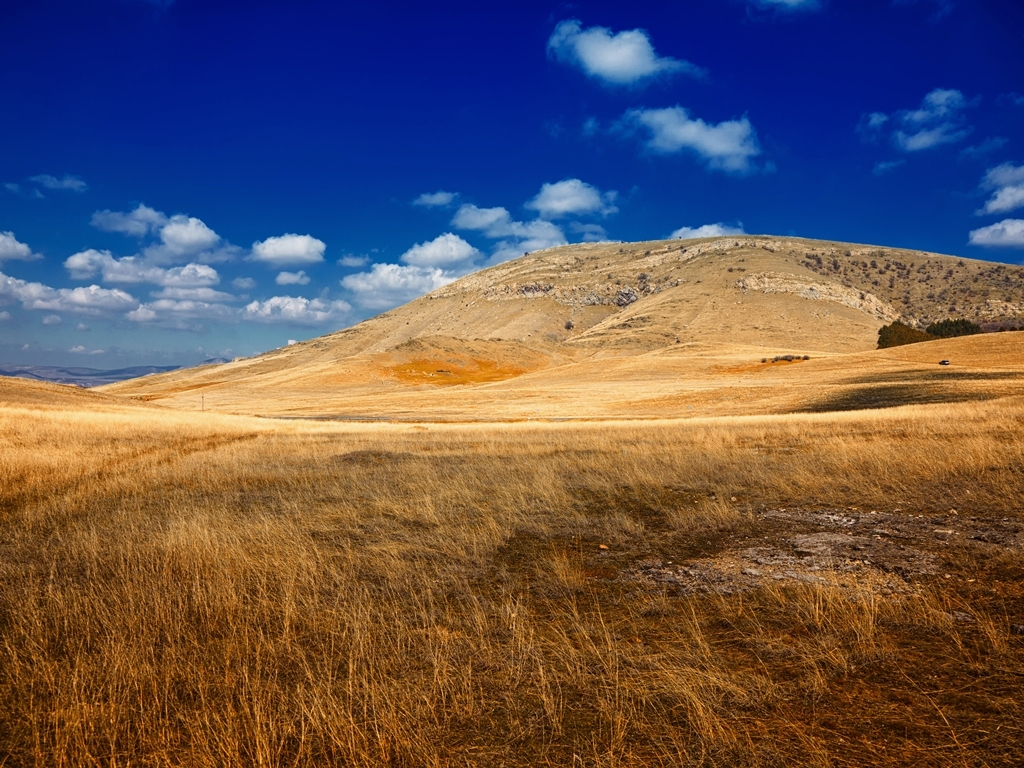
<point>787,5</point>
<point>727,146</point>
<point>940,120</point>
<point>623,58</point>
<point>439,199</point>
<point>71,183</point>
<point>886,166</point>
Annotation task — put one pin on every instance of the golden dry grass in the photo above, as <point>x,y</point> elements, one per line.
<point>207,590</point>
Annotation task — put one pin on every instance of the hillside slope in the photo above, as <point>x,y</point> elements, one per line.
<point>627,314</point>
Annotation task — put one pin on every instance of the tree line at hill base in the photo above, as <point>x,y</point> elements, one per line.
<point>897,334</point>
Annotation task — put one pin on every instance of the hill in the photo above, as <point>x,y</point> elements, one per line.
<point>657,328</point>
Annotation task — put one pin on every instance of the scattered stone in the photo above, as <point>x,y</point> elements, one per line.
<point>602,546</point>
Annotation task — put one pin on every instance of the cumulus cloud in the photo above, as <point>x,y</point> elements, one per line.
<point>138,222</point>
<point>572,197</point>
<point>182,313</point>
<point>388,285</point>
<point>5,315</point>
<point>446,250</point>
<point>292,278</point>
<point>1008,233</point>
<point>1006,182</point>
<point>181,237</point>
<point>435,199</point>
<point>132,269</point>
<point>71,183</point>
<point>11,249</point>
<point>707,230</point>
<point>624,58</point>
<point>295,310</point>
<point>244,283</point>
<point>287,250</point>
<point>518,237</point>
<point>939,120</point>
<point>91,300</point>
<point>726,146</point>
<point>52,320</point>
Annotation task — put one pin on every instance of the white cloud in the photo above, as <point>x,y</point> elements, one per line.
<point>292,278</point>
<point>572,197</point>
<point>295,310</point>
<point>289,249</point>
<point>519,236</point>
<point>388,285</point>
<point>78,350</point>
<point>10,248</point>
<point>5,315</point>
<point>132,269</point>
<point>727,146</point>
<point>589,233</point>
<point>624,58</point>
<point>445,250</point>
<point>292,341</point>
<point>939,120</point>
<point>82,327</point>
<point>1006,182</point>
<point>1008,233</point>
<point>182,238</point>
<point>989,145</point>
<point>435,199</point>
<point>788,5</point>
<point>181,313</point>
<point>52,320</point>
<point>139,222</point>
<point>91,300</point>
<point>883,168</point>
<point>184,235</point>
<point>244,283</point>
<point>707,230</point>
<point>193,294</point>
<point>68,182</point>
<point>353,261</point>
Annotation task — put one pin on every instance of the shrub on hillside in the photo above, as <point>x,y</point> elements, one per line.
<point>897,334</point>
<point>947,329</point>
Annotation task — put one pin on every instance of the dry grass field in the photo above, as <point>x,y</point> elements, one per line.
<point>827,589</point>
<point>569,510</point>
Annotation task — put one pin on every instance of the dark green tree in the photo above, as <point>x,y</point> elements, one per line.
<point>947,329</point>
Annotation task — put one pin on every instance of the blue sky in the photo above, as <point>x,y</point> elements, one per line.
<point>182,179</point>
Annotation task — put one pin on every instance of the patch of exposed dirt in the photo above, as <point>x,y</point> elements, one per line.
<point>884,552</point>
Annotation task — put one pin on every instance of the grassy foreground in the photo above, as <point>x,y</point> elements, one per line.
<point>201,590</point>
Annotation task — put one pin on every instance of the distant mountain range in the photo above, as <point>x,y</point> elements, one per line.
<point>82,377</point>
